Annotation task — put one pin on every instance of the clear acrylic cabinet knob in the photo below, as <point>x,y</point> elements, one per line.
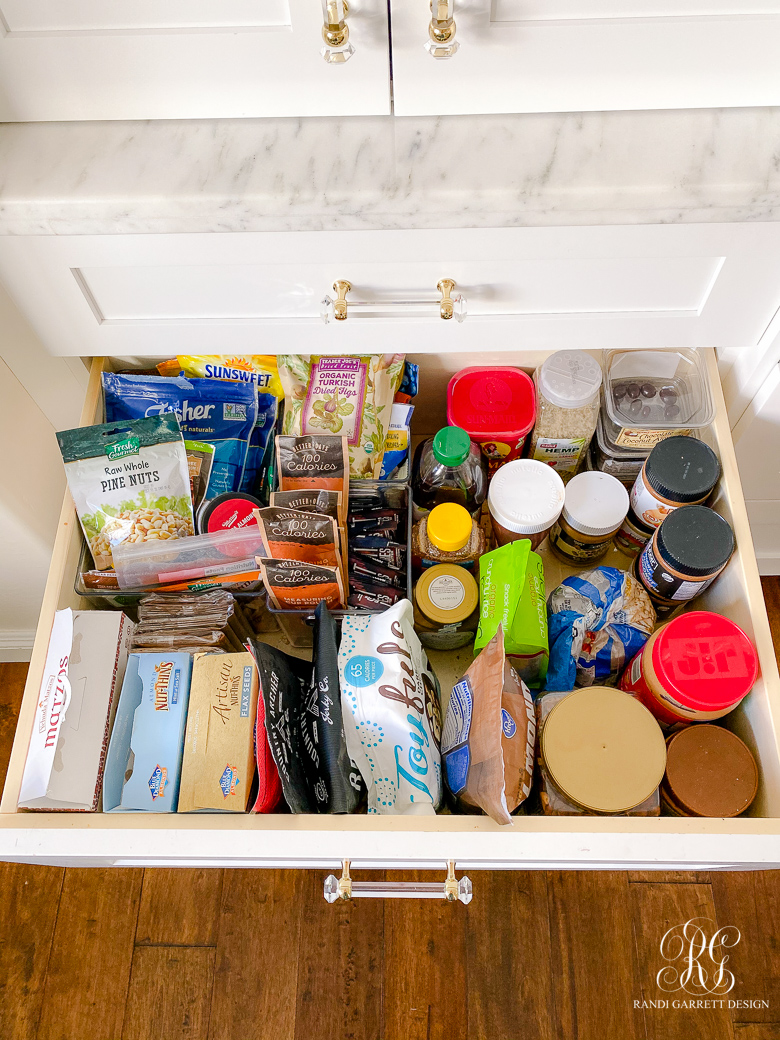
<point>335,32</point>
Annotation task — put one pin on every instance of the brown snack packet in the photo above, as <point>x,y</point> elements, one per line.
<point>314,462</point>
<point>310,500</point>
<point>489,736</point>
<point>290,534</point>
<point>292,585</point>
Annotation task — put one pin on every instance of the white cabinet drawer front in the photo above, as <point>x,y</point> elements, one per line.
<point>563,56</point>
<point>547,288</point>
<point>475,842</point>
<point>100,59</point>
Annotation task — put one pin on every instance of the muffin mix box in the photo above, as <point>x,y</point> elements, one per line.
<point>219,754</point>
<point>144,757</point>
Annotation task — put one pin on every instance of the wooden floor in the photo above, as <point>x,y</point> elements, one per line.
<point>131,954</point>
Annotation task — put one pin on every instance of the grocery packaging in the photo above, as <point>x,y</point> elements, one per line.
<point>314,463</point>
<point>143,765</point>
<point>489,735</point>
<point>352,396</point>
<point>398,441</point>
<point>292,585</point>
<point>390,705</point>
<point>85,665</point>
<point>511,594</point>
<point>653,394</point>
<point>496,407</point>
<point>594,507</point>
<point>597,621</point>
<point>446,607</point>
<point>290,534</point>
<point>310,501</point>
<point>129,482</point>
<point>448,468</point>
<point>218,412</point>
<point>603,750</point>
<point>709,772</point>
<point>407,391</point>
<point>385,551</point>
<point>269,783</point>
<point>232,511</point>
<point>622,463</point>
<point>448,534</point>
<point>525,498</point>
<point>219,754</point>
<point>695,668</point>
<point>567,408</point>
<point>200,459</point>
<point>157,562</point>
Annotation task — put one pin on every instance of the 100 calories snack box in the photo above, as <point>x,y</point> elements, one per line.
<point>144,757</point>
<point>219,754</point>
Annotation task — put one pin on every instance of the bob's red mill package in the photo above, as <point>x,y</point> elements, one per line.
<point>219,754</point>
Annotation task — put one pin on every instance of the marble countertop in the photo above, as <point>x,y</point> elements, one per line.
<point>386,172</point>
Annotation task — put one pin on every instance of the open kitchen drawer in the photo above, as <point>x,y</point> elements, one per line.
<point>473,842</point>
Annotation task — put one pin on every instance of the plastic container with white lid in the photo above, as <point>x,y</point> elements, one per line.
<point>525,498</point>
<point>567,409</point>
<point>594,508</point>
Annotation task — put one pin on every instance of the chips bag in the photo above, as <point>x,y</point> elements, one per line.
<point>352,396</point>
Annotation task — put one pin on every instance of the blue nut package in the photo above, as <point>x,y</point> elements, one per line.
<point>218,412</point>
<point>597,621</point>
<point>147,740</point>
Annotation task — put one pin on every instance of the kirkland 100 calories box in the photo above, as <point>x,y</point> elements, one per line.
<point>144,757</point>
<point>219,755</point>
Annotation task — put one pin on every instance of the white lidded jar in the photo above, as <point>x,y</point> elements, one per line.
<point>525,498</point>
<point>567,410</point>
<point>593,511</point>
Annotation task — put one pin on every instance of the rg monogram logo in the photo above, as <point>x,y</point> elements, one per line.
<point>695,963</point>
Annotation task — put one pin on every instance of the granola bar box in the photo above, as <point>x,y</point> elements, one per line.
<point>147,743</point>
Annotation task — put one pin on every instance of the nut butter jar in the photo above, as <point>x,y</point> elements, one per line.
<point>603,750</point>
<point>709,772</point>
<point>446,607</point>
<point>595,505</point>
<point>525,498</point>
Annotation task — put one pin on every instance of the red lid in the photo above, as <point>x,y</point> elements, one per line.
<point>705,661</point>
<point>231,511</point>
<point>499,402</point>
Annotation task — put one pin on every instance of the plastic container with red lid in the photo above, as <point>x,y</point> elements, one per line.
<point>496,406</point>
<point>695,668</point>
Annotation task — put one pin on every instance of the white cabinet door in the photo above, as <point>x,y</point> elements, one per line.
<point>570,55</point>
<point>526,288</point>
<point>181,59</point>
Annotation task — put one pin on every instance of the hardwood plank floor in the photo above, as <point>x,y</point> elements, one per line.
<point>258,955</point>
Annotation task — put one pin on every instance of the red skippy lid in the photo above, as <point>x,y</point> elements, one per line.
<point>705,660</point>
<point>496,401</point>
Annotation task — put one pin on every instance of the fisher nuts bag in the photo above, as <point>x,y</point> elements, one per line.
<point>352,396</point>
<point>212,410</point>
<point>598,620</point>
<point>129,481</point>
<point>390,705</point>
<point>489,735</point>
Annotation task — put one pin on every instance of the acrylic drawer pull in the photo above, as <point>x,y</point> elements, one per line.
<point>452,889</point>
<point>335,32</point>
<point>451,304</point>
<point>442,43</point>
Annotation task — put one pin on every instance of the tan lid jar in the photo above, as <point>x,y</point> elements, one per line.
<point>525,498</point>
<point>603,750</point>
<point>446,607</point>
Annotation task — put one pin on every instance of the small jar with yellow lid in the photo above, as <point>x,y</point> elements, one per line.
<point>448,534</point>
<point>446,607</point>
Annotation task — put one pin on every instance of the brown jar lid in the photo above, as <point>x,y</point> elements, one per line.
<point>603,749</point>
<point>710,771</point>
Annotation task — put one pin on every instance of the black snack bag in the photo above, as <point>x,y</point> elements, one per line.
<point>389,554</point>
<point>367,570</point>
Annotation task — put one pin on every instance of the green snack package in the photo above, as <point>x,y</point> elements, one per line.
<point>511,594</point>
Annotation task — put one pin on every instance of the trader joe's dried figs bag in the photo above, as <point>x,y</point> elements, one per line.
<point>130,482</point>
<point>348,396</point>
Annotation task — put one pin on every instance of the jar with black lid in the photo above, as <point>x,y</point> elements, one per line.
<point>685,555</point>
<point>678,471</point>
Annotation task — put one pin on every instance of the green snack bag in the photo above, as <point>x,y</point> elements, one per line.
<point>511,594</point>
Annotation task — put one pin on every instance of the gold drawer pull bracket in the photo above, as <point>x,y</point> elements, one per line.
<point>450,304</point>
<point>452,889</point>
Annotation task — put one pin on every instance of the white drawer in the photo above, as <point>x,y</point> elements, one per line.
<point>474,842</point>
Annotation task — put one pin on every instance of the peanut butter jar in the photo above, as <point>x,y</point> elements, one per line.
<point>709,772</point>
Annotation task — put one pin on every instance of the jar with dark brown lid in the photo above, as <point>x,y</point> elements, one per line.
<point>709,772</point>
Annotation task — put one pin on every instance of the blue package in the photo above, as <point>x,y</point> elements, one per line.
<point>149,726</point>
<point>397,441</point>
<point>409,380</point>
<point>598,621</point>
<point>216,411</point>
<point>258,442</point>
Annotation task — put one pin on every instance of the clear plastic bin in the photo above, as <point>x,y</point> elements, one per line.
<point>618,462</point>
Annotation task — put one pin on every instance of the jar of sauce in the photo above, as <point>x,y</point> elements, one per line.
<point>594,507</point>
<point>525,498</point>
<point>695,668</point>
<point>709,772</point>
<point>446,607</point>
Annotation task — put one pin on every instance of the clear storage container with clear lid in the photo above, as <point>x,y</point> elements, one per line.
<point>652,394</point>
<point>567,410</point>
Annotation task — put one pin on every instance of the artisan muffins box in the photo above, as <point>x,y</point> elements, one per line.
<point>219,755</point>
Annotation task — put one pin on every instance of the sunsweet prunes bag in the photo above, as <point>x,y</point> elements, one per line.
<point>390,705</point>
<point>351,396</point>
<point>129,481</point>
<point>218,412</point>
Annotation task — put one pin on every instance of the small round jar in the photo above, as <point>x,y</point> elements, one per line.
<point>695,668</point>
<point>685,555</point>
<point>448,534</point>
<point>678,471</point>
<point>595,506</point>
<point>603,750</point>
<point>525,498</point>
<point>446,607</point>
<point>709,772</point>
